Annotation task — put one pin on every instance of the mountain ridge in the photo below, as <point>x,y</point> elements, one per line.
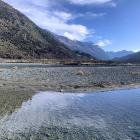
<point>85,47</point>
<point>118,54</point>
<point>92,49</point>
<point>132,58</point>
<point>20,38</point>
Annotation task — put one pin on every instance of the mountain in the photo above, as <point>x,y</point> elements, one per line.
<point>84,47</point>
<point>21,38</point>
<point>91,49</point>
<point>118,54</point>
<point>135,57</point>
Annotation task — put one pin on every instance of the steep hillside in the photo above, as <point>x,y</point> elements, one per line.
<point>21,38</point>
<point>84,47</point>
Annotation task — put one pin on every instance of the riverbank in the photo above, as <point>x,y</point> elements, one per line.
<point>70,79</point>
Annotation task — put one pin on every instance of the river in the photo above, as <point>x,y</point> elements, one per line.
<point>110,115</point>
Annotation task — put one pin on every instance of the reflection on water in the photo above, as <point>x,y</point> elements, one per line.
<point>113,115</point>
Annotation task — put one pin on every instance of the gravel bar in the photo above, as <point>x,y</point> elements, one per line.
<point>69,78</point>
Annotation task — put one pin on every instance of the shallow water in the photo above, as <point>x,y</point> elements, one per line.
<point>113,115</point>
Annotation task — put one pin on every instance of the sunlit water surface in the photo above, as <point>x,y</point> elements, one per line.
<point>113,115</point>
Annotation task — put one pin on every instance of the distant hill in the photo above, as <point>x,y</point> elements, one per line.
<point>118,54</point>
<point>133,58</point>
<point>21,38</point>
<point>93,50</point>
<point>84,47</point>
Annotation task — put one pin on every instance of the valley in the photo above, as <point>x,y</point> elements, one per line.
<point>69,70</point>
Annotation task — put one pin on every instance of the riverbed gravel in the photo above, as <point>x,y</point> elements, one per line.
<point>69,78</point>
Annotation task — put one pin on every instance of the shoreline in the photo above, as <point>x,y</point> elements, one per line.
<point>32,90</point>
<point>41,64</point>
<point>22,87</point>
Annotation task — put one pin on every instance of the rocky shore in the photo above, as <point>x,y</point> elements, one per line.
<point>71,79</point>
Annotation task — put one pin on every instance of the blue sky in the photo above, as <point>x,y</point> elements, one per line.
<point>112,24</point>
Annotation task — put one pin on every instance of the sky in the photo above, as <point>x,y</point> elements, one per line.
<point>114,25</point>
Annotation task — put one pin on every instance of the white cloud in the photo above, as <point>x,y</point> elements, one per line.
<point>90,15</point>
<point>73,32</point>
<point>59,25</point>
<point>47,17</point>
<point>63,15</point>
<point>86,2</point>
<point>103,43</point>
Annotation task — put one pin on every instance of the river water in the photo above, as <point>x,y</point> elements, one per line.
<point>110,115</point>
